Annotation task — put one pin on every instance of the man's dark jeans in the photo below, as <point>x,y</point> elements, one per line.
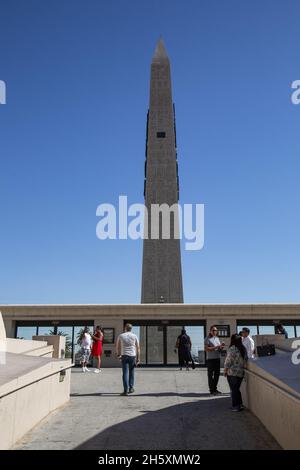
<point>234,384</point>
<point>213,372</point>
<point>128,364</point>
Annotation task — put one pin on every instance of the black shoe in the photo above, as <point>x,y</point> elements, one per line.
<point>217,392</point>
<point>131,390</point>
<point>124,394</point>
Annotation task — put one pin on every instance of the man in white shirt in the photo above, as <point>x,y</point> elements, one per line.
<point>248,343</point>
<point>128,349</point>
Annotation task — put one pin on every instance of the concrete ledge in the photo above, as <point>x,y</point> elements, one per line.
<point>30,388</point>
<point>24,346</point>
<point>271,390</point>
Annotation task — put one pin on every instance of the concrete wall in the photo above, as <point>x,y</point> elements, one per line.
<point>28,347</point>
<point>109,357</point>
<point>32,384</point>
<point>58,343</point>
<point>271,390</point>
<point>2,328</point>
<point>9,325</point>
<point>24,408</point>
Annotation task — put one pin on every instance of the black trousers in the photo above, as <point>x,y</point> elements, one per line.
<point>213,372</point>
<point>235,384</point>
<point>185,357</point>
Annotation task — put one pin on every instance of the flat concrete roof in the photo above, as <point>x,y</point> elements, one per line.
<point>228,304</point>
<point>271,311</point>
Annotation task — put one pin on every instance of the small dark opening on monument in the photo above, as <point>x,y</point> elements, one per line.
<point>160,135</point>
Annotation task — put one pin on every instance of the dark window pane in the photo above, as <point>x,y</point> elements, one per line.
<point>160,135</point>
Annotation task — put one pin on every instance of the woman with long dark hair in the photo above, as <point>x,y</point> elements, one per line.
<point>234,370</point>
<point>97,347</point>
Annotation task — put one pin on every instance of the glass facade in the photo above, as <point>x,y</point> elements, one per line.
<point>252,328</point>
<point>67,331</point>
<point>158,341</point>
<point>155,344</point>
<point>172,334</point>
<point>196,333</point>
<point>264,327</point>
<point>25,330</point>
<point>45,330</point>
<point>290,331</point>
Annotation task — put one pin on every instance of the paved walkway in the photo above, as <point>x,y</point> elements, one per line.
<point>170,410</point>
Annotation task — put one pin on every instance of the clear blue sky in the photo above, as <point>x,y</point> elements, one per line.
<point>72,135</point>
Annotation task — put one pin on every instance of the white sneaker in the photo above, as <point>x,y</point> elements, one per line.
<point>87,370</point>
<point>97,371</point>
<point>83,369</point>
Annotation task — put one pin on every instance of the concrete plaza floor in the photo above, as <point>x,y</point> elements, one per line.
<point>170,409</point>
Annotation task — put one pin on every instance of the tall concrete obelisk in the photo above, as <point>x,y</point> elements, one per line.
<point>162,276</point>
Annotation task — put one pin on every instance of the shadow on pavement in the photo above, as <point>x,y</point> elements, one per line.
<point>202,424</point>
<point>162,394</point>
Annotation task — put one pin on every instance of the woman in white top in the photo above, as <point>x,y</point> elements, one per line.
<point>85,352</point>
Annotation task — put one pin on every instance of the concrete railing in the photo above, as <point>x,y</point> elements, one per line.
<point>30,388</point>
<point>271,391</point>
<point>58,343</point>
<point>32,383</point>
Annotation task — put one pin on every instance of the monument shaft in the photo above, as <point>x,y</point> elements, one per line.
<point>162,275</point>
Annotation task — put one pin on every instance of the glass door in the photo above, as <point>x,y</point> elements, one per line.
<point>158,338</point>
<point>196,333</point>
<point>155,345</point>
<point>172,353</point>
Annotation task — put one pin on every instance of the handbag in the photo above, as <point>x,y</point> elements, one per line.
<point>266,350</point>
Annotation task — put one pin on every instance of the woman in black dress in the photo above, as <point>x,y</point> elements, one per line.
<point>184,345</point>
